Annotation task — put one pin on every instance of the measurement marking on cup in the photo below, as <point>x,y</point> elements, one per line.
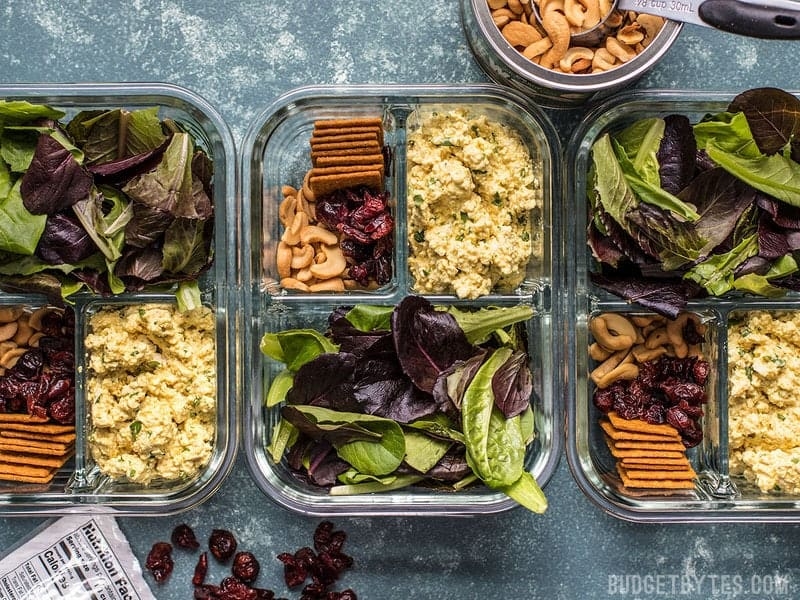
<point>673,6</point>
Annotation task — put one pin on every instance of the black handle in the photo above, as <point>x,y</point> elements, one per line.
<point>754,20</point>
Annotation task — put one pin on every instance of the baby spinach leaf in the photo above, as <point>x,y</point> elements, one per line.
<point>370,317</point>
<point>19,230</point>
<point>495,448</point>
<point>423,451</point>
<point>21,110</point>
<point>280,385</point>
<point>775,175</point>
<point>479,324</point>
<point>295,347</point>
<point>527,493</point>
<point>371,487</point>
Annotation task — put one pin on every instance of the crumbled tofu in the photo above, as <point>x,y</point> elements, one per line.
<point>151,389</point>
<point>474,205</point>
<point>763,406</point>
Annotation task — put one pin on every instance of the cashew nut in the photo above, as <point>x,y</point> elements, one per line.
<point>651,24</point>
<point>537,48</point>
<point>312,234</point>
<point>622,51</point>
<point>626,371</point>
<point>658,337</point>
<point>10,313</point>
<point>608,365</point>
<point>557,27</point>
<point>518,34</point>
<point>8,330</point>
<point>613,331</point>
<point>292,234</point>
<point>495,4</point>
<point>631,34</point>
<point>574,55</point>
<point>643,354</point>
<point>598,353</point>
<point>10,357</point>
<point>333,265</point>
<point>290,283</point>
<point>334,284</point>
<point>287,210</point>
<point>603,60</point>
<point>302,256</point>
<point>283,259</point>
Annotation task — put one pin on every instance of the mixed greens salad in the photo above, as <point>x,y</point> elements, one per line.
<point>415,394</point>
<point>681,210</point>
<point>109,200</point>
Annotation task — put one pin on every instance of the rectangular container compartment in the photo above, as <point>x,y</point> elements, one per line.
<point>275,154</point>
<point>78,487</point>
<point>718,495</point>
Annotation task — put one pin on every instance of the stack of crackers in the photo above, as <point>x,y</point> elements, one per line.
<point>648,456</point>
<point>33,449</point>
<point>346,153</point>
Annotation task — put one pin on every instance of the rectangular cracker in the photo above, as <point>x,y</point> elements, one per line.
<point>66,438</point>
<point>642,445</point>
<point>27,478</point>
<point>662,474</point>
<point>21,418</point>
<point>621,434</point>
<point>673,484</point>
<point>331,160</point>
<point>28,470</point>
<point>35,447</point>
<point>46,427</point>
<point>345,136</point>
<point>347,147</point>
<point>325,184</point>
<point>349,122</point>
<point>316,171</point>
<point>639,425</point>
<point>39,460</point>
<point>655,463</point>
<point>639,453</point>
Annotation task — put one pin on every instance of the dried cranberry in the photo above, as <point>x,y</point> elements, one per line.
<point>233,589</point>
<point>700,371</point>
<point>183,537</point>
<point>200,570</point>
<point>222,544</point>
<point>347,594</point>
<point>294,570</point>
<point>159,561</point>
<point>206,592</point>
<point>245,567</point>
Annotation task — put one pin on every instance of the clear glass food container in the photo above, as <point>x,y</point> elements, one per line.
<point>718,493</point>
<point>78,486</point>
<point>276,153</point>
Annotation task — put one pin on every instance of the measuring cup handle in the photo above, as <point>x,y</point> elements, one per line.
<point>754,20</point>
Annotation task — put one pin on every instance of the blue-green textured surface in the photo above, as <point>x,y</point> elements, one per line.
<point>240,55</point>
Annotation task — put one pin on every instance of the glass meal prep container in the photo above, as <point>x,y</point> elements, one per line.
<point>717,491</point>
<point>276,154</point>
<point>78,485</point>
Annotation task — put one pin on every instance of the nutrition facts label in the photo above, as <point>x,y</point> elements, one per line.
<point>75,558</point>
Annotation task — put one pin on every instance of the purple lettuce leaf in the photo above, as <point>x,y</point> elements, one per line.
<point>676,154</point>
<point>54,180</point>
<point>427,341</point>
<point>512,385</point>
<point>64,241</point>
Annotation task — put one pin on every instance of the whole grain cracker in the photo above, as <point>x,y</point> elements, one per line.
<point>622,434</point>
<point>66,438</point>
<point>639,425</point>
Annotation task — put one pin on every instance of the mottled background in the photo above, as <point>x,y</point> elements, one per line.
<point>240,55</point>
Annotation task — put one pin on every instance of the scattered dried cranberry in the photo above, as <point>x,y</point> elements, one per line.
<point>245,567</point>
<point>183,537</point>
<point>159,561</point>
<point>222,544</point>
<point>200,570</point>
